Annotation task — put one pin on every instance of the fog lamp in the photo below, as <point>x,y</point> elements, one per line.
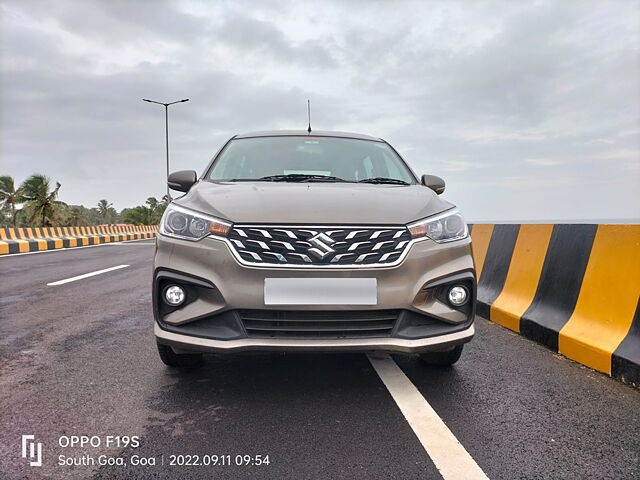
<point>458,296</point>
<point>174,295</point>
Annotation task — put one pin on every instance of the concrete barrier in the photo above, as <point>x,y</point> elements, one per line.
<point>573,288</point>
<point>22,240</point>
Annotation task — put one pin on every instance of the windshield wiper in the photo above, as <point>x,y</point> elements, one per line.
<point>394,181</point>
<point>301,177</point>
<point>324,178</point>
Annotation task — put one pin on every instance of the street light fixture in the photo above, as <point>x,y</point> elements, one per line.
<point>166,129</point>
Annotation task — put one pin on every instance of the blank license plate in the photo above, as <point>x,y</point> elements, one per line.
<point>320,291</point>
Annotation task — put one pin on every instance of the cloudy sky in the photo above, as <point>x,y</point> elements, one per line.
<point>529,110</point>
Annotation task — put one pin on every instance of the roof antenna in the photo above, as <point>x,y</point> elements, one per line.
<point>309,115</point>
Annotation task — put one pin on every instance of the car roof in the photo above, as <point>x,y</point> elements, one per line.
<point>304,133</point>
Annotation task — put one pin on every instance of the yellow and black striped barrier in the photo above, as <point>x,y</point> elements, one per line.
<point>23,240</point>
<point>574,288</point>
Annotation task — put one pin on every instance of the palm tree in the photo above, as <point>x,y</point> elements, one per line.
<point>153,203</point>
<point>104,210</point>
<point>113,215</point>
<point>40,201</point>
<point>156,209</point>
<point>77,216</point>
<point>9,196</point>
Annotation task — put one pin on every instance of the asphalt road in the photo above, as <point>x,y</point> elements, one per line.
<point>80,359</point>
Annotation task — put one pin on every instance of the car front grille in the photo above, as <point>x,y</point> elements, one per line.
<point>319,246</point>
<point>318,324</point>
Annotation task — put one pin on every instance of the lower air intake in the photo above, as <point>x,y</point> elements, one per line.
<point>318,324</point>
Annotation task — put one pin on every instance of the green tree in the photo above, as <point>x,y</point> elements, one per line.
<point>105,210</point>
<point>22,219</point>
<point>113,215</point>
<point>93,216</point>
<point>40,202</point>
<point>77,216</point>
<point>153,203</point>
<point>140,215</point>
<point>156,209</point>
<point>9,196</point>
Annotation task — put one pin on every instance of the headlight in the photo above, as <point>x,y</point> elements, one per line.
<point>445,227</point>
<point>182,223</point>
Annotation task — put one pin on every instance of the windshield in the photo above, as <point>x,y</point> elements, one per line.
<point>311,158</point>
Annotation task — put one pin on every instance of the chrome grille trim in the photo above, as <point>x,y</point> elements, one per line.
<point>322,246</point>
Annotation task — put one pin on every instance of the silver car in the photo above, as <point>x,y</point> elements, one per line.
<point>322,241</point>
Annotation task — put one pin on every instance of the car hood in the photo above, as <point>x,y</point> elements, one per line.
<point>313,203</point>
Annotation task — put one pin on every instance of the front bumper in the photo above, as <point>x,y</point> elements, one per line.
<point>220,289</point>
<point>185,344</point>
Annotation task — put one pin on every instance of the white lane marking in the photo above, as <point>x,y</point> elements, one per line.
<point>71,249</point>
<point>86,275</point>
<point>129,244</point>
<point>449,456</point>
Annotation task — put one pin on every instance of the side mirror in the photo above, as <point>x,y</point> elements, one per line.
<point>182,180</point>
<point>434,183</point>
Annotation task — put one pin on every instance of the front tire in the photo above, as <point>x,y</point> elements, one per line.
<point>442,359</point>
<point>179,360</point>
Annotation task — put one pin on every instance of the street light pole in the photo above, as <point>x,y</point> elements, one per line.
<point>166,144</point>
<point>166,130</point>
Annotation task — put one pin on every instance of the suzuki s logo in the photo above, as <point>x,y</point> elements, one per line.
<point>321,245</point>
